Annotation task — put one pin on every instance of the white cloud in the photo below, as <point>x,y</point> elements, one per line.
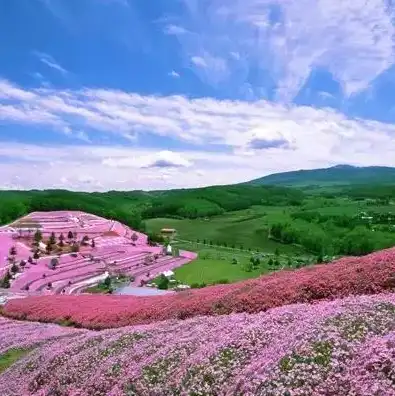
<point>199,61</point>
<point>174,74</point>
<point>175,30</point>
<point>50,62</point>
<point>233,140</point>
<point>288,39</point>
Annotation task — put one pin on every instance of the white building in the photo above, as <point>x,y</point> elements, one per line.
<point>168,274</point>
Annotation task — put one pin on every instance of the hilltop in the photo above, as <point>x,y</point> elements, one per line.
<point>339,175</point>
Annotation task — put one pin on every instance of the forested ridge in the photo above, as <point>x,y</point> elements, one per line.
<point>327,223</point>
<point>135,206</point>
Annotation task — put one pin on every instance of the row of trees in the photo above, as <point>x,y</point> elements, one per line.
<point>329,240</point>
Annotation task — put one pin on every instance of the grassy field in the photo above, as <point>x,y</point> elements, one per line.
<point>242,233</point>
<point>245,233</point>
<point>245,228</point>
<point>216,264</point>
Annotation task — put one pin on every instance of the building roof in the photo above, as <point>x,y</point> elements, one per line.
<point>168,230</point>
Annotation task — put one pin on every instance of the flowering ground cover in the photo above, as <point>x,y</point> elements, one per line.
<point>371,274</point>
<point>103,244</point>
<point>334,348</point>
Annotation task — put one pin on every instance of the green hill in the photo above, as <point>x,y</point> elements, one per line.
<point>335,176</point>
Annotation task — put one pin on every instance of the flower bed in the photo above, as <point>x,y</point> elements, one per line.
<point>338,348</point>
<point>371,274</point>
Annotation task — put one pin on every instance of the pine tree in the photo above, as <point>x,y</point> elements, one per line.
<point>270,263</point>
<point>37,237</point>
<point>14,268</point>
<point>52,239</point>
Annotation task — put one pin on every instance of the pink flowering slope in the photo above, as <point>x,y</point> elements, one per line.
<point>371,274</point>
<point>338,348</point>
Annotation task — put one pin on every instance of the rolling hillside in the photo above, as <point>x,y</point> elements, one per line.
<point>335,176</point>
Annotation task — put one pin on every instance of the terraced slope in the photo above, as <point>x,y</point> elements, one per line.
<point>110,247</point>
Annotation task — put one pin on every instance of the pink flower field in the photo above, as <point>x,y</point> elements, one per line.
<point>111,247</point>
<point>370,274</point>
<point>336,348</point>
<point>324,330</point>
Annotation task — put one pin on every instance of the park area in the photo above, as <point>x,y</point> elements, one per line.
<point>68,252</point>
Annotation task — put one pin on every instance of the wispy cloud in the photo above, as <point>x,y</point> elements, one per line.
<point>287,40</point>
<point>174,74</point>
<point>50,62</point>
<point>257,136</point>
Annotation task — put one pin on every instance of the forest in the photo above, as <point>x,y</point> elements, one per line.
<point>302,216</point>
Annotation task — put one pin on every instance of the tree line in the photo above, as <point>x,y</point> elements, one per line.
<point>133,207</point>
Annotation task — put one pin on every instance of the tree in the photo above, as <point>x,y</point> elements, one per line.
<point>70,235</point>
<point>52,239</point>
<point>162,282</point>
<point>85,240</point>
<point>107,282</point>
<point>134,237</point>
<point>36,255</point>
<point>5,281</point>
<point>14,268</point>
<point>93,243</point>
<point>22,264</point>
<point>248,266</point>
<point>234,261</point>
<point>30,260</point>
<point>61,240</point>
<point>13,251</point>
<point>37,237</point>
<point>48,248</point>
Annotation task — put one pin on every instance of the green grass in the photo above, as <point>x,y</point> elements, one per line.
<point>210,270</point>
<point>11,356</point>
<point>215,264</point>
<point>247,228</point>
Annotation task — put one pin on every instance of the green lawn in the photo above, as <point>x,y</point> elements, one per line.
<point>246,228</point>
<point>10,357</point>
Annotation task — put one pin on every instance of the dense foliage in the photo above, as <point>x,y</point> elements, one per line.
<point>348,276</point>
<point>131,207</point>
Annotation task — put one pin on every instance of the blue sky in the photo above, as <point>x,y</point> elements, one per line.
<point>144,94</point>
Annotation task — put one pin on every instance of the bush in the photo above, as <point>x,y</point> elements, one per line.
<point>163,282</point>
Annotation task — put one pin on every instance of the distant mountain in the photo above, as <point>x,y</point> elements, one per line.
<point>335,176</point>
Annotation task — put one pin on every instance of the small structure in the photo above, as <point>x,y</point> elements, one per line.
<point>168,274</point>
<point>168,232</point>
<point>169,250</point>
